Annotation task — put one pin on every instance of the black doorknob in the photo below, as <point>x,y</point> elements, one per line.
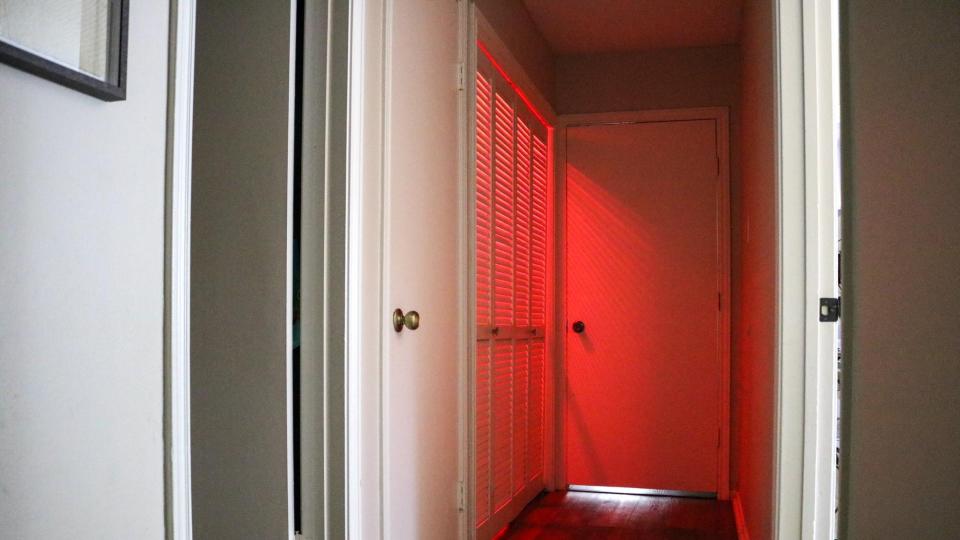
<point>579,327</point>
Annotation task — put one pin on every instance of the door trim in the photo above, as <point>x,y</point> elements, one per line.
<point>721,116</point>
<point>363,26</point>
<point>177,477</point>
<point>791,331</point>
<point>178,497</point>
<point>821,110</point>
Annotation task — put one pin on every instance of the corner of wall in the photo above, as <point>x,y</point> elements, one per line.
<point>514,27</point>
<point>754,373</point>
<point>739,517</point>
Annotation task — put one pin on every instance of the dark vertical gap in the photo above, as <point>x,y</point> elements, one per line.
<point>297,220</point>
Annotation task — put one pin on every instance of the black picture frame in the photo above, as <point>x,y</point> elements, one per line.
<point>113,90</point>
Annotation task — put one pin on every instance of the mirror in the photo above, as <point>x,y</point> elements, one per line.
<point>78,43</point>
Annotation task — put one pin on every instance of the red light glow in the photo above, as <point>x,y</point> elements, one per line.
<point>513,176</point>
<point>516,88</point>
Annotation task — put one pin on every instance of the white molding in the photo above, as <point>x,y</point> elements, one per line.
<point>383,210</point>
<point>365,270</point>
<point>288,278</point>
<point>467,20</point>
<point>791,271</point>
<point>646,115</point>
<point>180,163</point>
<point>739,518</point>
<point>820,415</point>
<point>355,267</point>
<point>721,116</point>
<point>366,459</point>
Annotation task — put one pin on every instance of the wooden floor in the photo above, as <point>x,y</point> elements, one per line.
<point>569,514</point>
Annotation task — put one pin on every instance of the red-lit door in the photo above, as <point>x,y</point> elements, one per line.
<point>644,258</point>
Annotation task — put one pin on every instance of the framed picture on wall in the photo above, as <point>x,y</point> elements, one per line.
<point>81,44</point>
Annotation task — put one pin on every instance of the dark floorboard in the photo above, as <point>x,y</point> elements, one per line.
<point>570,514</point>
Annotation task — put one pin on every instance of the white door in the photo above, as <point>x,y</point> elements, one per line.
<point>645,270</point>
<point>422,270</point>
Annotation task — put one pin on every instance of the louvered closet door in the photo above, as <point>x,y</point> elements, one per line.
<point>511,263</point>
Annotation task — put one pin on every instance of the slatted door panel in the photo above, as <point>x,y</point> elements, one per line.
<point>538,304</point>
<point>503,295</point>
<point>524,183</point>
<point>503,231</point>
<point>538,236</point>
<point>535,425</point>
<point>484,301</point>
<point>511,270</point>
<point>502,423</point>
<point>484,200</point>
<point>521,304</point>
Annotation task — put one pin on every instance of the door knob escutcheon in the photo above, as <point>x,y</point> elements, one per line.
<point>410,320</point>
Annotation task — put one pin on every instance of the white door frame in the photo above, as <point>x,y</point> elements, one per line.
<point>179,518</point>
<point>821,115</point>
<point>795,42</point>
<point>366,311</point>
<point>791,272</point>
<point>177,283</point>
<point>806,410</point>
<point>467,146</point>
<point>721,116</point>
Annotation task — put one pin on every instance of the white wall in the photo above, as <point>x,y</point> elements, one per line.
<point>901,470</point>
<point>754,373</point>
<point>81,300</point>
<point>654,79</point>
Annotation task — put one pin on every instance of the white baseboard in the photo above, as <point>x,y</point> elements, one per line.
<point>738,516</point>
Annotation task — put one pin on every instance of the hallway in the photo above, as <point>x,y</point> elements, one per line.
<point>563,514</point>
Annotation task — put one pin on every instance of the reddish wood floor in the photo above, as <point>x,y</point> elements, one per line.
<point>563,514</point>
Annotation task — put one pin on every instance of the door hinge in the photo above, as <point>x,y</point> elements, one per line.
<point>830,309</point>
<point>461,77</point>
<point>719,301</point>
<point>461,497</point>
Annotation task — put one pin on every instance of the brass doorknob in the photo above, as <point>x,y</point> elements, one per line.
<point>410,320</point>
